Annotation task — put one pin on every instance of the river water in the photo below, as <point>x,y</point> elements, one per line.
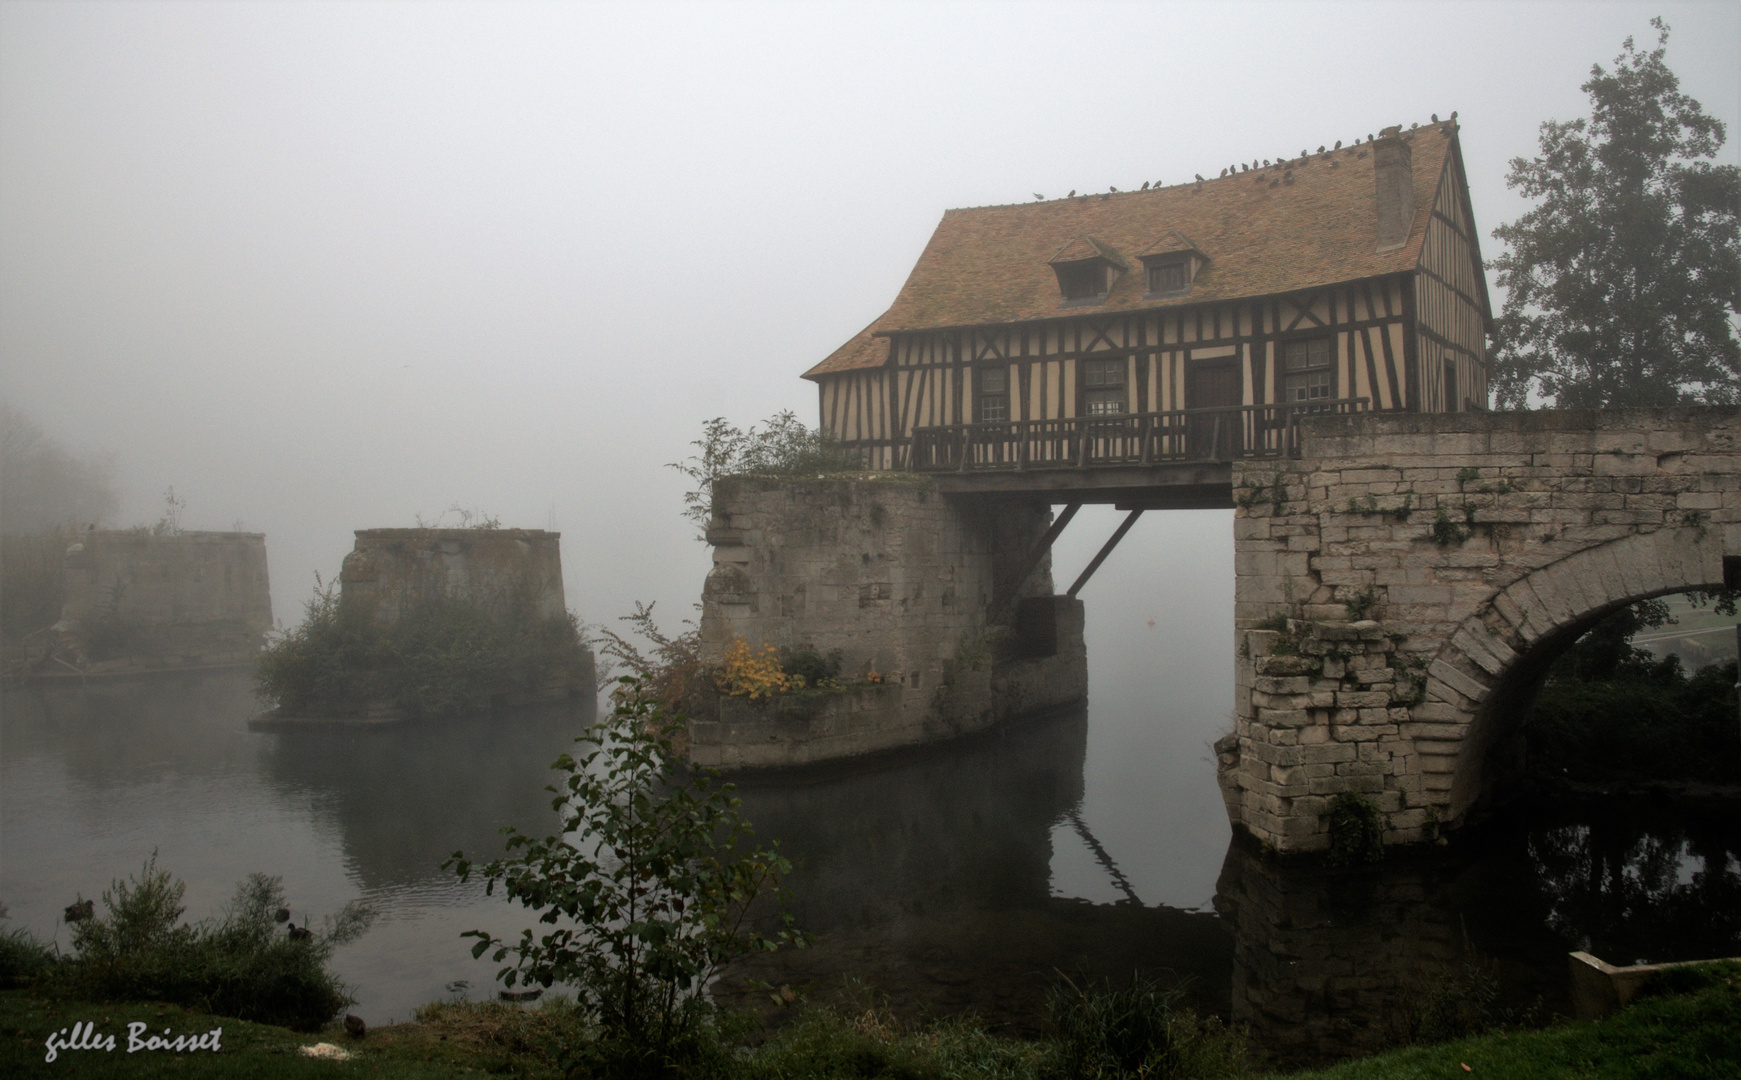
<point>965,877</point>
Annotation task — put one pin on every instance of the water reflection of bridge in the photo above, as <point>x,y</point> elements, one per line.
<point>930,873</point>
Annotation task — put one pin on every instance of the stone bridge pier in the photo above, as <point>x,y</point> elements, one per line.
<point>1403,586</point>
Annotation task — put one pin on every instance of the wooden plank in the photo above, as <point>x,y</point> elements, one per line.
<point>1410,350</point>
<point>1378,391</point>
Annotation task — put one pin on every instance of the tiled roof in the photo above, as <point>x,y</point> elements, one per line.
<point>863,351</point>
<point>1262,236</point>
<point>1087,247</point>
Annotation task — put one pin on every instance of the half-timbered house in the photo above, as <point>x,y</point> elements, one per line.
<point>1195,322</point>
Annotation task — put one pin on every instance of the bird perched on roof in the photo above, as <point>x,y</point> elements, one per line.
<point>1039,197</point>
<point>1266,162</point>
<point>1435,118</point>
<point>300,933</point>
<point>1453,114</point>
<point>1320,148</point>
<point>1072,194</point>
<point>1199,178</point>
<point>1145,186</point>
<point>1112,189</point>
<point>1338,145</point>
<point>1223,173</point>
<point>1243,167</point>
<point>1369,136</point>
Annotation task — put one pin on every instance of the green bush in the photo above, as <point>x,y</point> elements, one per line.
<point>245,965</point>
<point>23,959</point>
<point>1141,1030</point>
<point>782,446</point>
<point>644,889</point>
<point>1356,830</point>
<point>442,657</point>
<point>813,667</point>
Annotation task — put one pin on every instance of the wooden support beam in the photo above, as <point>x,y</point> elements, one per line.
<point>1039,552</point>
<point>1106,549</point>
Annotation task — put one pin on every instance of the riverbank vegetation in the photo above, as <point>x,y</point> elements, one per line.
<point>440,658</point>
<point>252,963</point>
<point>1613,712</point>
<point>1684,1031</point>
<point>649,901</point>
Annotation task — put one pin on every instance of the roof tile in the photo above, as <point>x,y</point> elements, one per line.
<point>1262,235</point>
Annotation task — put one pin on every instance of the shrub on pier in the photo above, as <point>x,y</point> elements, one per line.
<point>441,658</point>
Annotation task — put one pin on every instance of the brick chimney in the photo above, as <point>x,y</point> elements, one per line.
<point>1393,174</point>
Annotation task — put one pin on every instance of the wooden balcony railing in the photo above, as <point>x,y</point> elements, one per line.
<point>1246,431</point>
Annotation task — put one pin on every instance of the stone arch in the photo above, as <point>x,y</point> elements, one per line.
<point>1481,682</point>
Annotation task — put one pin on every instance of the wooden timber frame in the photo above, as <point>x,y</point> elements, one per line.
<point>1392,326</point>
<point>1344,281</point>
<point>1382,354</point>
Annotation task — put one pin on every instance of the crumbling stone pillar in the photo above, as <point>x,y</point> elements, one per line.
<point>913,590</point>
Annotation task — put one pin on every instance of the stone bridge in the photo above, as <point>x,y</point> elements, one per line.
<point>1404,584</point>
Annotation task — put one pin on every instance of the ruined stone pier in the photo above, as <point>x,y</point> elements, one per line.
<point>917,592</point>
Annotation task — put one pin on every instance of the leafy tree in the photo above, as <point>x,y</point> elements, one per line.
<point>1624,283</point>
<point>645,890</point>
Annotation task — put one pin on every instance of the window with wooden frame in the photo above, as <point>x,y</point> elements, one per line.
<point>1082,280</point>
<point>1307,372</point>
<point>994,395</point>
<point>1103,387</point>
<point>1168,275</point>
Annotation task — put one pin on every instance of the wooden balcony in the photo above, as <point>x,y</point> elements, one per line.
<point>1175,459</point>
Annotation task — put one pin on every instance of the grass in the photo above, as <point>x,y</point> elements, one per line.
<point>1688,1035</point>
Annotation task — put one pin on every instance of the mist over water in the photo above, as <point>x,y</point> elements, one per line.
<point>330,267</point>
<point>958,877</point>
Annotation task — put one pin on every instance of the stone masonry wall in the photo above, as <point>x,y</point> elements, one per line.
<point>1402,586</point>
<point>184,598</point>
<point>900,581</point>
<point>394,569</point>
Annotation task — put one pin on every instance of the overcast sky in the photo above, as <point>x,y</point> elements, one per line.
<point>331,266</point>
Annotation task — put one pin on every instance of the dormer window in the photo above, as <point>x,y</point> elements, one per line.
<point>1169,276</point>
<point>1172,263</point>
<point>1083,280</point>
<point>1087,270</point>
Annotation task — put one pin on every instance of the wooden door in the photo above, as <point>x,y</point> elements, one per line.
<point>1214,386</point>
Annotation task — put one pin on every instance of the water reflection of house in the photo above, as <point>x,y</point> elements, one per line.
<point>1342,279</point>
<point>928,876</point>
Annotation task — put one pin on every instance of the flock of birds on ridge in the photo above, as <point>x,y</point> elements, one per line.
<point>1231,170</point>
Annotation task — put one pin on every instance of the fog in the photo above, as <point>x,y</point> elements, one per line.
<point>329,267</point>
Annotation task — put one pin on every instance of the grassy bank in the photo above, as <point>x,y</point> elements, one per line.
<point>1687,1035</point>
